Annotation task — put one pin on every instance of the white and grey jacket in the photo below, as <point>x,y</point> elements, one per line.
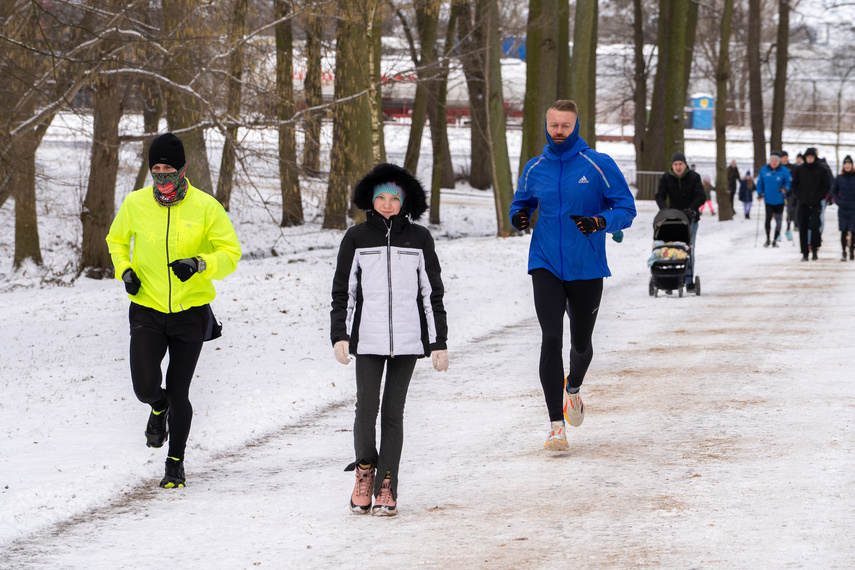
<point>387,290</point>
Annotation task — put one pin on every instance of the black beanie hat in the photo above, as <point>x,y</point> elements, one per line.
<point>167,149</point>
<point>847,158</point>
<point>678,156</point>
<point>810,152</point>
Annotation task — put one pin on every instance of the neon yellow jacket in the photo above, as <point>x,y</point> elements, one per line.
<point>198,226</point>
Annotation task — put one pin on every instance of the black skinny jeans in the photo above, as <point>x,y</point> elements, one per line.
<point>369,373</point>
<point>810,220</point>
<point>580,300</point>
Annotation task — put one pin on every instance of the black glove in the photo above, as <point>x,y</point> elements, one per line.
<point>521,219</point>
<point>588,225</point>
<point>184,268</point>
<point>132,282</point>
<point>691,214</point>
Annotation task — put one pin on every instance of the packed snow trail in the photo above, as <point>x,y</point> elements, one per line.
<point>718,434</point>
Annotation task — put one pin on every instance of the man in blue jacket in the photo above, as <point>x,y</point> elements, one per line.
<point>773,184</point>
<point>581,195</point>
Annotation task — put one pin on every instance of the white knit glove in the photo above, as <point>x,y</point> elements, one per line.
<point>440,360</point>
<point>342,349</point>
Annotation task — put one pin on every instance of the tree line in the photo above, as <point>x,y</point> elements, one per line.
<point>202,66</point>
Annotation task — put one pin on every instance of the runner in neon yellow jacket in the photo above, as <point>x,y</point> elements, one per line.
<point>168,242</point>
<point>198,226</point>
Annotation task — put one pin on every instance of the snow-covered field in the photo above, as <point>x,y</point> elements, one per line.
<point>719,430</point>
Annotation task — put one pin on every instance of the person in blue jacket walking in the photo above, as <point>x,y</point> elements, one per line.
<point>773,184</point>
<point>580,196</point>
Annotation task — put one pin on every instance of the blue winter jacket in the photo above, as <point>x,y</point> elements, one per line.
<point>571,179</point>
<point>773,185</point>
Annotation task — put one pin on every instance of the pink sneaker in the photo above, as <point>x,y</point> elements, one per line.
<point>384,504</point>
<point>360,499</point>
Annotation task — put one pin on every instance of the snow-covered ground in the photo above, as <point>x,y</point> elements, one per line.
<point>719,430</point>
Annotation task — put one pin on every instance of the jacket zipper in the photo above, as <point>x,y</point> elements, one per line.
<point>560,217</point>
<point>168,277</point>
<point>389,276</point>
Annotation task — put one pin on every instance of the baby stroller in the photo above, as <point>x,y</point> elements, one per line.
<point>672,253</point>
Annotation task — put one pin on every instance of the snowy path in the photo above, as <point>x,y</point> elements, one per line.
<point>719,434</point>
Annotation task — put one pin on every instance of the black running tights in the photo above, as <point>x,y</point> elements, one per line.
<point>580,300</point>
<point>147,351</point>
<point>774,211</point>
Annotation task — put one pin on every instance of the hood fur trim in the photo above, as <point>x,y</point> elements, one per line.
<point>415,199</point>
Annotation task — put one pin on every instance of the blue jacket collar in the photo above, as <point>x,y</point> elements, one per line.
<point>572,145</point>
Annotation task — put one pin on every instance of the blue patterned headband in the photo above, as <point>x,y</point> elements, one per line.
<point>389,188</point>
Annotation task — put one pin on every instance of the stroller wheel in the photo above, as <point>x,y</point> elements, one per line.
<point>697,286</point>
<point>651,288</point>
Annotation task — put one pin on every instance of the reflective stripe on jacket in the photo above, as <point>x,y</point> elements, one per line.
<point>146,237</point>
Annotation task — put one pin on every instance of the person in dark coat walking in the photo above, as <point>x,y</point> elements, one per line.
<point>746,193</point>
<point>790,199</point>
<point>811,184</point>
<point>682,189</point>
<point>843,194</point>
<point>732,180</point>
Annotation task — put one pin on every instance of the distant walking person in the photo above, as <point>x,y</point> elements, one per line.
<point>581,195</point>
<point>811,184</point>
<point>772,186</point>
<point>682,189</point>
<point>843,194</point>
<point>732,180</point>
<point>791,200</point>
<point>708,189</point>
<point>746,194</point>
<point>168,242</point>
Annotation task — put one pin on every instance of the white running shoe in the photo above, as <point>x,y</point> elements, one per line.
<point>574,407</point>
<point>556,441</point>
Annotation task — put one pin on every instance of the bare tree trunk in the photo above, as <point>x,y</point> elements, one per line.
<point>472,59</point>
<point>675,93</point>
<point>351,153</point>
<point>152,113</point>
<point>375,37</point>
<point>755,85</point>
<point>725,207</point>
<point>503,188</point>
<point>779,98</point>
<point>442,98</point>
<point>640,95</point>
<point>654,156</point>
<point>312,89</point>
<point>21,159</point>
<point>237,30</point>
<point>427,18</point>
<point>182,112</point>
<point>564,59</point>
<point>541,86</point>
<point>99,204</point>
<point>289,181</point>
<point>691,32</point>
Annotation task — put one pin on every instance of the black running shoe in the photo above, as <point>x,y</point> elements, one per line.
<point>157,429</point>
<point>174,474</point>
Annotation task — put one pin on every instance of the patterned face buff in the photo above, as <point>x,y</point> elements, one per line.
<point>169,187</point>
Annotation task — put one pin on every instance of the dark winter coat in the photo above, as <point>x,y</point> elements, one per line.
<point>571,179</point>
<point>732,178</point>
<point>843,193</point>
<point>811,183</point>
<point>686,193</point>
<point>387,291</point>
<point>746,190</point>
